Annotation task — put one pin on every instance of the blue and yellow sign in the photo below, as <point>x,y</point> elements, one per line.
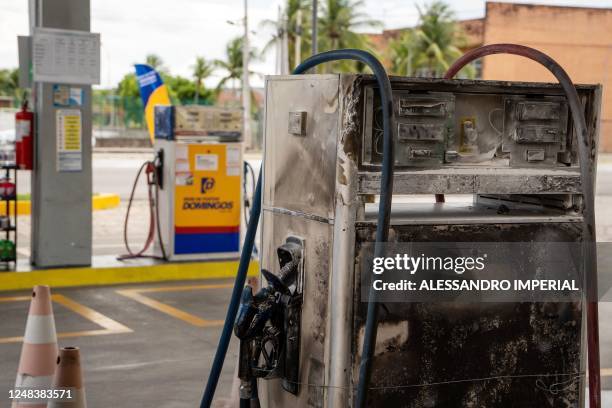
<point>207,198</point>
<point>152,92</point>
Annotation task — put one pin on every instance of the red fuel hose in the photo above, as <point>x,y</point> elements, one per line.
<point>586,175</point>
<point>153,198</point>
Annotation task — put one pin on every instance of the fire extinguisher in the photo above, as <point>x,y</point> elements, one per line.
<point>24,129</point>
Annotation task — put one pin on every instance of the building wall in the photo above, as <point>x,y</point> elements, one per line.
<point>580,39</point>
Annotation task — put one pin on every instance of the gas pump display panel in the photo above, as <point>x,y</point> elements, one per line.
<point>207,198</point>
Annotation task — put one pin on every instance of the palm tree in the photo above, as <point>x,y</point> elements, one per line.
<point>232,64</point>
<point>201,70</point>
<point>402,52</point>
<point>338,23</point>
<point>155,62</point>
<point>429,49</point>
<point>296,25</point>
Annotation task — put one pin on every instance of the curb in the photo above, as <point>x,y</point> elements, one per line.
<point>98,202</point>
<point>101,276</point>
<point>105,201</point>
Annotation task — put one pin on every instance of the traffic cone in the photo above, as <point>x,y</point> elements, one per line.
<point>68,375</point>
<point>39,350</point>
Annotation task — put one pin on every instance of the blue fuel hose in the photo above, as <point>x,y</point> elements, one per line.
<point>382,228</point>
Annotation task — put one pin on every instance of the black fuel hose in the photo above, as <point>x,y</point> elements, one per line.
<point>382,229</point>
<point>586,175</point>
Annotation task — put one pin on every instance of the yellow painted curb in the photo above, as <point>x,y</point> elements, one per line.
<point>84,276</point>
<point>98,202</point>
<point>105,201</point>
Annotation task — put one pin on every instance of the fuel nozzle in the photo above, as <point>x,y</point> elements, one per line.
<point>289,258</point>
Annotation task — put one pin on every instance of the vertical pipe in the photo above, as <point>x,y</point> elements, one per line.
<point>246,89</point>
<point>298,39</point>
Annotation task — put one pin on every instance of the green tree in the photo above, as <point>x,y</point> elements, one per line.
<point>183,91</point>
<point>296,26</point>
<point>128,86</point>
<point>155,62</point>
<point>201,70</point>
<point>232,64</point>
<point>430,48</point>
<point>9,82</point>
<point>128,104</point>
<point>402,52</point>
<point>338,24</point>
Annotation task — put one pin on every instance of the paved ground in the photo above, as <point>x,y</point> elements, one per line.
<point>163,360</point>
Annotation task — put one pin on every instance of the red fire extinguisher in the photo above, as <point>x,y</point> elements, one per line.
<point>24,129</point>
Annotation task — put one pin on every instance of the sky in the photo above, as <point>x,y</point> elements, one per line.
<point>180,30</point>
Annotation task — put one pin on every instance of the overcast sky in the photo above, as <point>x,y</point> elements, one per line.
<point>180,30</point>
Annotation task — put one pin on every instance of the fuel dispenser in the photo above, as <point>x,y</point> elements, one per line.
<point>525,151</point>
<point>197,173</point>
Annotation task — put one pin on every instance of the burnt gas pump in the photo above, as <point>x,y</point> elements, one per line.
<point>524,151</point>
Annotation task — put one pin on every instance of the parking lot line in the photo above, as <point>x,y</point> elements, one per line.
<point>109,326</point>
<point>137,295</point>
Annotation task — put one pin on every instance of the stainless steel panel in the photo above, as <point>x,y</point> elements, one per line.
<point>299,170</point>
<point>317,237</point>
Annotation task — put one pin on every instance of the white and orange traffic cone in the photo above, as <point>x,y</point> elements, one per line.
<point>68,376</point>
<point>39,350</point>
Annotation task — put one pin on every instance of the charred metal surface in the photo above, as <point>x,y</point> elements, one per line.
<point>300,170</point>
<point>317,240</point>
<point>474,181</point>
<point>352,120</point>
<point>475,355</point>
<point>590,95</point>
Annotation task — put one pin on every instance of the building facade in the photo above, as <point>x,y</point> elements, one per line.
<point>579,38</point>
